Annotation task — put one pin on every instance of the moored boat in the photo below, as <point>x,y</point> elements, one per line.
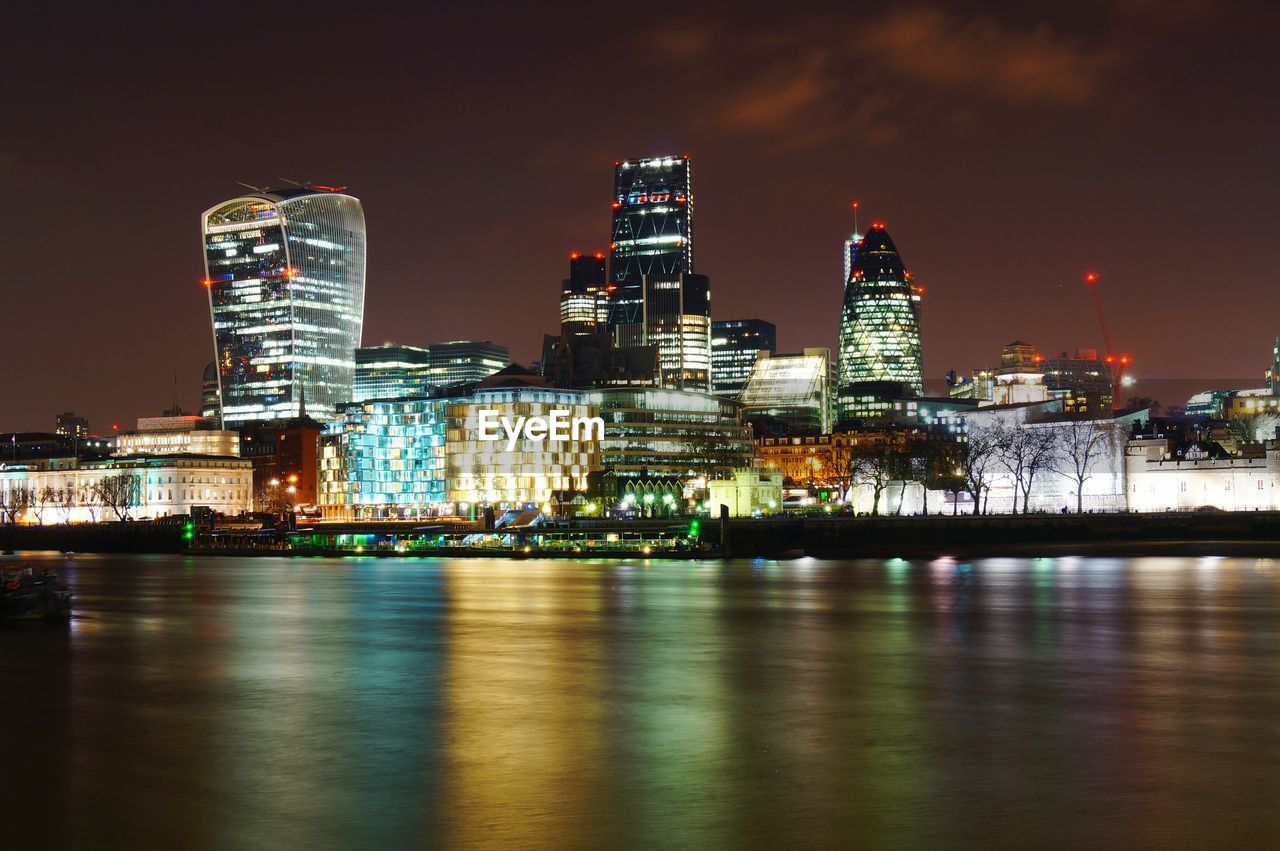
<point>28,594</point>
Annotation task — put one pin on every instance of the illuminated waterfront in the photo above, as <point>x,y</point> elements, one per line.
<point>203,702</point>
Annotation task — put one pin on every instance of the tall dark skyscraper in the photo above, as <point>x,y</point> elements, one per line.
<point>734,346</point>
<point>880,353</point>
<point>584,295</point>
<point>652,230</point>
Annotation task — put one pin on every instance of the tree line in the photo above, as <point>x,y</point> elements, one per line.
<point>1025,452</point>
<point>108,496</point>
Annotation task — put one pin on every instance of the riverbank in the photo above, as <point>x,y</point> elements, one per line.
<point>1218,533</point>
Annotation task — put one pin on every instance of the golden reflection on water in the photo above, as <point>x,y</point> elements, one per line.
<point>348,703</point>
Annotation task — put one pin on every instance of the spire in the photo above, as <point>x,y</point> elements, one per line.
<point>302,403</point>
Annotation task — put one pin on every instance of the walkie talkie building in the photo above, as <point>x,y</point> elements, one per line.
<point>880,352</point>
<point>285,272</point>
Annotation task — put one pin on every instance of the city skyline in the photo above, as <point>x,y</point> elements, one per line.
<point>1035,192</point>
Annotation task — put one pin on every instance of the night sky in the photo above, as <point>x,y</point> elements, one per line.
<point>1008,147</point>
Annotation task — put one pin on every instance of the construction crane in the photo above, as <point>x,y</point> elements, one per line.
<point>1115,363</point>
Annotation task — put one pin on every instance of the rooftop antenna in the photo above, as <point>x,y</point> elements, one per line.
<point>251,186</point>
<point>303,185</point>
<point>855,218</point>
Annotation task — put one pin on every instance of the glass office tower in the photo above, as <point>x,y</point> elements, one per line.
<point>285,272</point>
<point>677,319</point>
<point>652,230</point>
<point>880,353</point>
<point>734,346</point>
<point>395,371</point>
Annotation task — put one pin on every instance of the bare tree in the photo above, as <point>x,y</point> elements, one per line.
<point>120,493</point>
<point>66,502</point>
<point>977,459</point>
<point>1251,428</point>
<point>1082,444</point>
<point>89,497</point>
<point>1025,451</point>
<point>41,499</point>
<point>875,464</point>
<point>15,501</point>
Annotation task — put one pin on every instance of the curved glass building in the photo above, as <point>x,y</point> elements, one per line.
<point>880,354</point>
<point>285,273</point>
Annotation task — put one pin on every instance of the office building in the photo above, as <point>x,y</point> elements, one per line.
<point>395,370</point>
<point>584,296</point>
<point>1082,380</point>
<point>177,435</point>
<point>734,345</point>
<point>677,319</point>
<point>412,458</point>
<point>652,231</point>
<point>880,352</point>
<point>285,273</point>
<point>593,360</point>
<point>69,425</point>
<point>790,394</point>
<point>670,434</point>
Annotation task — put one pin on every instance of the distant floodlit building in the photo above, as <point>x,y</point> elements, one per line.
<point>795,390</point>
<point>69,425</point>
<point>395,370</point>
<point>652,231</point>
<point>880,352</point>
<point>734,346</point>
<point>285,273</point>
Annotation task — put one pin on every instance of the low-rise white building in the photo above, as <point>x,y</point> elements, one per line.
<point>69,490</point>
<point>1199,476</point>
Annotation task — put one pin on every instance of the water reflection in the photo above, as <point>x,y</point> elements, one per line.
<point>369,703</point>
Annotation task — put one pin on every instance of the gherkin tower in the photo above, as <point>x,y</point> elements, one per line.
<point>879,358</point>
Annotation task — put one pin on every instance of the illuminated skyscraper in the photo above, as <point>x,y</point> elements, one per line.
<point>677,319</point>
<point>584,295</point>
<point>652,232</point>
<point>285,272</point>
<point>880,353</point>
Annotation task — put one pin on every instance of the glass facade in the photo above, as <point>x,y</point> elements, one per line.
<point>408,458</point>
<point>488,473</point>
<point>394,370</point>
<point>285,274</point>
<point>675,434</point>
<point>652,230</point>
<point>795,390</point>
<point>386,461</point>
<point>734,346</point>
<point>880,353</point>
<point>677,319</point>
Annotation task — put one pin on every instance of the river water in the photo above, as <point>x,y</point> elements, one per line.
<point>366,703</point>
